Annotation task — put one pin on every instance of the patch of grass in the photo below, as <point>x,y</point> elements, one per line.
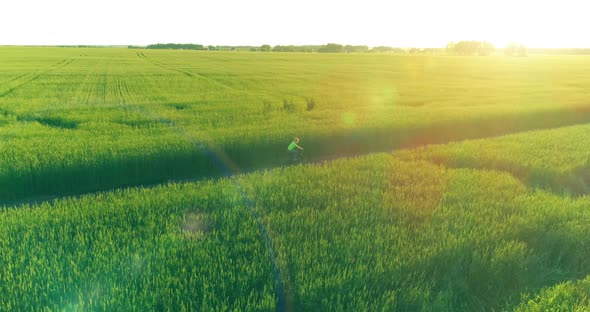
<point>196,225</point>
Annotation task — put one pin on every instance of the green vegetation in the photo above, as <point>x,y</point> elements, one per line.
<point>76,120</point>
<point>400,236</point>
<point>470,48</point>
<point>557,159</point>
<point>176,46</point>
<point>178,248</point>
<point>485,224</point>
<point>567,296</point>
<point>515,49</point>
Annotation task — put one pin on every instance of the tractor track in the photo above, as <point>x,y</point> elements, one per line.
<point>185,72</point>
<point>34,76</point>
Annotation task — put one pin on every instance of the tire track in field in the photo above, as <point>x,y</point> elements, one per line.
<point>15,78</point>
<point>129,98</point>
<point>103,88</point>
<point>126,101</point>
<point>164,65</point>
<point>185,72</point>
<point>124,93</point>
<point>19,85</point>
<point>83,91</point>
<point>61,64</point>
<point>281,292</point>
<point>97,89</point>
<point>32,76</point>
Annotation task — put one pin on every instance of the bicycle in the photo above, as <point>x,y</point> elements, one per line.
<point>297,158</point>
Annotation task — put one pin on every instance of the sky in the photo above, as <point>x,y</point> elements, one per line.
<point>407,23</point>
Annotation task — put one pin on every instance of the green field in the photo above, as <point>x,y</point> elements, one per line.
<point>78,120</point>
<point>403,235</point>
<point>558,160</point>
<point>490,223</point>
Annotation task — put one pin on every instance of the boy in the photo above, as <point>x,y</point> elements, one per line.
<point>293,149</point>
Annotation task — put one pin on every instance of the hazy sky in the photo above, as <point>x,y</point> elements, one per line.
<point>421,23</point>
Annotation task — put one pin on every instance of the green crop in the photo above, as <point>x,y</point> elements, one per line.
<point>140,250</point>
<point>84,119</point>
<point>567,296</point>
<point>369,233</point>
<point>557,159</point>
<point>470,226</point>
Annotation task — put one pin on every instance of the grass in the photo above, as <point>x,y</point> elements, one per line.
<point>566,296</point>
<point>137,250</point>
<point>90,119</point>
<point>481,225</point>
<point>403,235</point>
<point>555,159</point>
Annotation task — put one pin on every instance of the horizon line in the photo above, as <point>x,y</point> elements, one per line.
<point>250,46</point>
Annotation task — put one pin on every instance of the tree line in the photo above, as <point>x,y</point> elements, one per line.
<point>457,48</point>
<point>470,48</point>
<point>176,46</point>
<point>516,49</point>
<point>327,48</point>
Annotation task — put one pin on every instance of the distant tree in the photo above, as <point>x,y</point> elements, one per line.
<point>515,49</point>
<point>331,48</point>
<point>522,50</point>
<point>265,48</point>
<point>510,49</point>
<point>355,49</point>
<point>450,47</point>
<point>382,49</point>
<point>470,48</point>
<point>212,48</point>
<point>293,48</point>
<point>433,50</point>
<point>280,48</point>
<point>176,46</point>
<point>486,48</point>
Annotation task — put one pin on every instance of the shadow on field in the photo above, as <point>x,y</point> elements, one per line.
<point>572,183</point>
<point>575,182</point>
<point>205,161</point>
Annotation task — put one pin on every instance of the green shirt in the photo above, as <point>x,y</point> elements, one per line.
<point>292,146</point>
